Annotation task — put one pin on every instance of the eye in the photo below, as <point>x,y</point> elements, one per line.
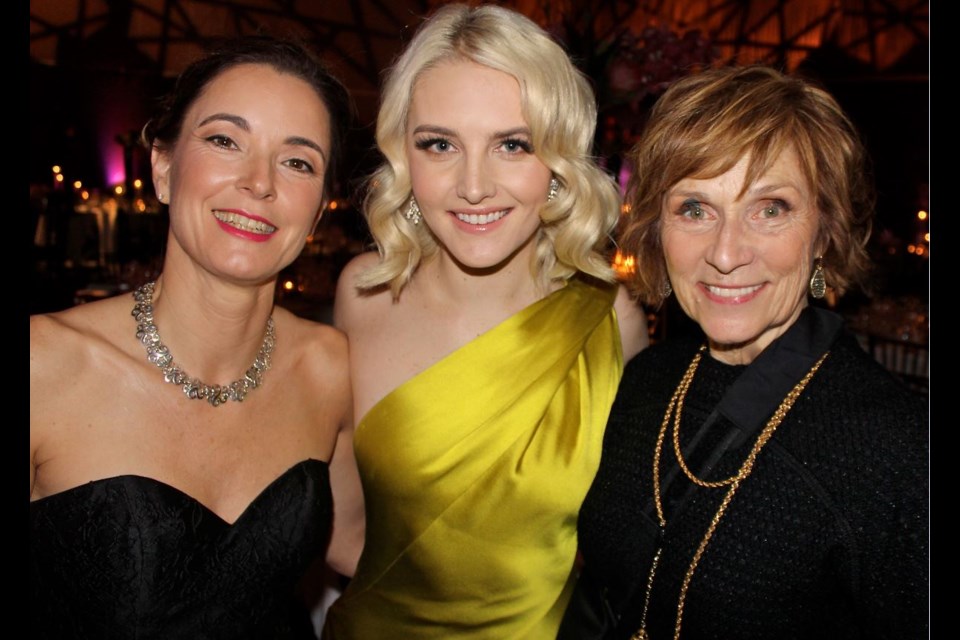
<point>222,141</point>
<point>516,145</point>
<point>692,209</point>
<point>434,145</point>
<point>300,165</point>
<point>773,209</point>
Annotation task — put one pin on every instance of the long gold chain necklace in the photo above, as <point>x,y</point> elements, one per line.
<point>676,401</point>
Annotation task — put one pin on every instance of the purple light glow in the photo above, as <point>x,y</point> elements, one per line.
<point>118,114</point>
<point>113,163</point>
<point>626,168</point>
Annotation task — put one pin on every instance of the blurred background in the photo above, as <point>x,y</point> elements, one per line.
<point>98,66</point>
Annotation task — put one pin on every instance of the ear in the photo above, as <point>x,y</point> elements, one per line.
<point>822,243</point>
<point>160,164</point>
<point>316,220</point>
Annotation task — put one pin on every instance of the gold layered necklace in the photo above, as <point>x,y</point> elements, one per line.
<point>734,481</point>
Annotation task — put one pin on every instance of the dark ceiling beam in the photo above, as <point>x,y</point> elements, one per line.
<point>382,27</point>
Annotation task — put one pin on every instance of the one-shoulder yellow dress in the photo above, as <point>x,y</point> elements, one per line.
<point>473,473</point>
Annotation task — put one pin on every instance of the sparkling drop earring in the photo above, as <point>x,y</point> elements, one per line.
<point>554,188</point>
<point>667,289</point>
<point>413,211</point>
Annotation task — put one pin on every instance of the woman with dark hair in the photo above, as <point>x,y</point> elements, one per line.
<point>168,505</point>
<point>766,478</point>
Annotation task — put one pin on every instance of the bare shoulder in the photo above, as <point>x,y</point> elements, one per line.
<point>319,352</point>
<point>52,339</point>
<point>66,341</point>
<point>347,283</point>
<point>357,265</point>
<point>353,306</point>
<point>74,360</point>
<point>311,337</point>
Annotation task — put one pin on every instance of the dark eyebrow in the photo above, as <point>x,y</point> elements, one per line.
<point>242,123</point>
<point>306,142</point>
<point>236,120</point>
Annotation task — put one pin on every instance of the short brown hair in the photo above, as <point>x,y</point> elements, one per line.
<point>705,123</point>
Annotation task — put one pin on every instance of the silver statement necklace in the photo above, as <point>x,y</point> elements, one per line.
<point>159,354</point>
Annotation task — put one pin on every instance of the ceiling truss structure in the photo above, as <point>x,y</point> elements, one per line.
<point>363,36</point>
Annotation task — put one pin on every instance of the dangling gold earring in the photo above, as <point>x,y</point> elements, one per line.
<point>818,285</point>
<point>413,211</point>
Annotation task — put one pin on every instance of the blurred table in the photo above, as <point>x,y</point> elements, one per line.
<point>896,332</point>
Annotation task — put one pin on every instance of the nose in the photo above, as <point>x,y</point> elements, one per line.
<point>732,247</point>
<point>257,177</point>
<point>476,181</point>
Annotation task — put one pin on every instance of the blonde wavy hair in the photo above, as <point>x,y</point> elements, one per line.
<point>559,106</point>
<point>705,123</point>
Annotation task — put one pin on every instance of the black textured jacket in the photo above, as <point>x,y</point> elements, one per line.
<point>826,539</point>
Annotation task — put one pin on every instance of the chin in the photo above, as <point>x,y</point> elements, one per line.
<point>730,336</point>
<point>483,261</point>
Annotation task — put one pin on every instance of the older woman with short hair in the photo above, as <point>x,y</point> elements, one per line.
<point>767,478</point>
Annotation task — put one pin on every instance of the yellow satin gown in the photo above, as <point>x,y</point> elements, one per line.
<point>473,473</point>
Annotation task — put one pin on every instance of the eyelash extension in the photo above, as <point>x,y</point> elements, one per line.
<point>426,143</point>
<point>523,144</point>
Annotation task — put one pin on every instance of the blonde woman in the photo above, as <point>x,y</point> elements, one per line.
<point>486,343</point>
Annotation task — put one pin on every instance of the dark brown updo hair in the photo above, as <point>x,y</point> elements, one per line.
<point>285,56</point>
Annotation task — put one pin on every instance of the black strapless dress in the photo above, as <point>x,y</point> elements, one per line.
<point>132,557</point>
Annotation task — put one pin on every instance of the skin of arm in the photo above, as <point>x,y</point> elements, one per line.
<point>45,332</point>
<point>632,319</point>
<point>346,539</point>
